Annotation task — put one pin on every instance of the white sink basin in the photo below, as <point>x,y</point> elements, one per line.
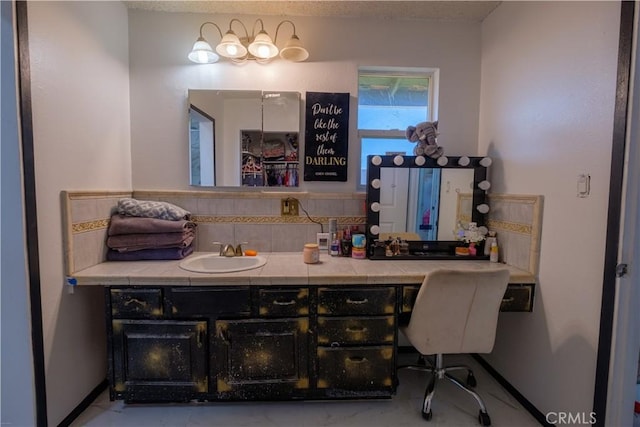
<point>214,263</point>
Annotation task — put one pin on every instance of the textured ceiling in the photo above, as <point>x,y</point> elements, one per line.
<point>470,11</point>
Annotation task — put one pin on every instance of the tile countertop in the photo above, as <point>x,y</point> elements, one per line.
<point>282,268</point>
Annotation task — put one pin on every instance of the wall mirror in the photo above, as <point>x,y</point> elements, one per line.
<point>246,138</point>
<point>421,199</point>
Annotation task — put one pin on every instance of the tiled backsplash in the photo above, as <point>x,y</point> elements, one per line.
<point>223,216</point>
<point>254,217</point>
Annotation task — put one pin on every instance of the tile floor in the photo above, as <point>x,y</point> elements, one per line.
<point>451,407</point>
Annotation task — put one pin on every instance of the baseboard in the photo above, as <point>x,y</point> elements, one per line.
<point>86,402</point>
<point>539,416</point>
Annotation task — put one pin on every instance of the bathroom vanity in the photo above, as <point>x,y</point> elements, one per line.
<point>286,330</point>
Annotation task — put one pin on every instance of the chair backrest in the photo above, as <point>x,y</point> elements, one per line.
<point>456,311</point>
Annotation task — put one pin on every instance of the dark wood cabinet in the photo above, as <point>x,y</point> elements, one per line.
<point>179,343</point>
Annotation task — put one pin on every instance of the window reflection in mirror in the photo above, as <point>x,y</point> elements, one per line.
<point>255,138</point>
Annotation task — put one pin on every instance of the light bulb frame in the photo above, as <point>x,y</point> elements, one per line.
<point>248,47</point>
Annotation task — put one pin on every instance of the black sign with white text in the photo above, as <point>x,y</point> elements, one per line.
<point>326,136</point>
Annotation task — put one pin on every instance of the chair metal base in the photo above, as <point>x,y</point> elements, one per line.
<point>439,372</point>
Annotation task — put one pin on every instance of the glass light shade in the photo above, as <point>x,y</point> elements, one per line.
<point>375,183</point>
<point>442,161</point>
<point>464,161</point>
<point>230,46</point>
<point>202,53</point>
<point>420,160</point>
<point>375,207</point>
<point>398,160</point>
<point>375,230</point>
<point>293,50</point>
<point>262,46</point>
<point>376,160</point>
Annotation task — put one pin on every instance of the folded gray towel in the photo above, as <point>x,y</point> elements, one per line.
<point>150,254</point>
<point>122,224</point>
<point>136,242</point>
<point>151,209</point>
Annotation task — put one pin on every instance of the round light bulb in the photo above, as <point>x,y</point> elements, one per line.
<point>375,230</point>
<point>376,160</point>
<point>484,185</point>
<point>442,161</point>
<point>464,161</point>
<point>375,207</point>
<point>375,183</point>
<point>486,162</point>
<point>398,160</point>
<point>483,208</point>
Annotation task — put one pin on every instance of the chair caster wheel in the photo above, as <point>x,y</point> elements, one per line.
<point>484,419</point>
<point>471,380</point>
<point>427,415</point>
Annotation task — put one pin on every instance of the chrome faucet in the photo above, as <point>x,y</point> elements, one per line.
<point>228,249</point>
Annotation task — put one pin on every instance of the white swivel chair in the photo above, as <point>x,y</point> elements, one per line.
<point>455,312</point>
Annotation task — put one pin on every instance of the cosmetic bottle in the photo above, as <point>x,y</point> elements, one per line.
<point>493,253</point>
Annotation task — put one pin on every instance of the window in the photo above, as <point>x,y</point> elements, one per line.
<point>390,100</point>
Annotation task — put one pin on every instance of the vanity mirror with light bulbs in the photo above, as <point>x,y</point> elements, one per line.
<point>421,200</point>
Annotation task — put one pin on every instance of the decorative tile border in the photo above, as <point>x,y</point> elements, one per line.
<point>513,227</point>
<point>342,220</point>
<point>82,227</point>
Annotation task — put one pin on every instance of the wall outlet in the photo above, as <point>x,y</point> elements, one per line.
<point>289,207</point>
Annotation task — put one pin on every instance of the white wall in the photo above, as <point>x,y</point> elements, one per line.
<point>546,115</point>
<point>18,391</point>
<point>80,95</point>
<point>161,75</point>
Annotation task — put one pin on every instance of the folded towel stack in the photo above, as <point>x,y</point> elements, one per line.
<point>149,230</point>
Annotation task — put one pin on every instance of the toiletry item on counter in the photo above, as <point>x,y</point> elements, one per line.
<point>358,253</point>
<point>311,253</point>
<point>358,246</point>
<point>490,239</point>
<point>345,246</point>
<point>493,253</point>
<point>334,240</point>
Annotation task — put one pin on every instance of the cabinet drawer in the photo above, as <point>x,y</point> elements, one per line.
<point>136,303</point>
<point>208,301</point>
<point>336,331</point>
<point>356,368</point>
<point>518,298</point>
<point>283,302</point>
<point>354,301</point>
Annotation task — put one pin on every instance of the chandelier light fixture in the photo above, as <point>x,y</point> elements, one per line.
<point>259,47</point>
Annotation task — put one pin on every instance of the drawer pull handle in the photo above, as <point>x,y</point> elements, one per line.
<point>511,299</point>
<point>356,330</point>
<point>357,359</point>
<point>276,302</point>
<point>357,301</point>
<point>136,301</point>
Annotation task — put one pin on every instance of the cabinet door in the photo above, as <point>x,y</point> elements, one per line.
<point>262,358</point>
<point>159,359</point>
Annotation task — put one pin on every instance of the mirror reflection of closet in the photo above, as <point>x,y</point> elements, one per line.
<point>256,138</point>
